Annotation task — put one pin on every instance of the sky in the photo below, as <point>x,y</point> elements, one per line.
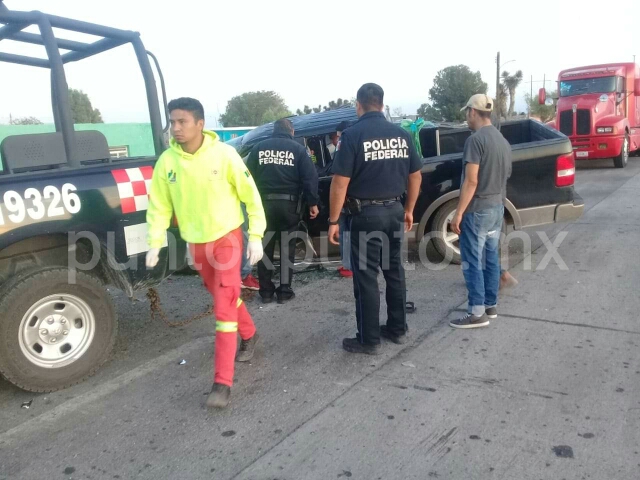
<point>313,52</point>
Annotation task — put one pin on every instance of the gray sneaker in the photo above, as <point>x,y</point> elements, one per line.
<point>492,312</point>
<point>470,321</point>
<point>219,396</point>
<point>246,349</point>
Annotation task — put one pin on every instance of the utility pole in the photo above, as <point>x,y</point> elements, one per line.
<point>530,99</point>
<point>497,106</point>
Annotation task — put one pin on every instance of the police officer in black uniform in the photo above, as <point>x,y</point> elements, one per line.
<point>282,171</point>
<point>375,164</point>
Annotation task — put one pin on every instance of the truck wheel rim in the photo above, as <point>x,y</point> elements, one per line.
<point>56,331</point>
<point>451,240</point>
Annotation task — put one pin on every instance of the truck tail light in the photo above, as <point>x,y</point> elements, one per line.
<point>565,170</point>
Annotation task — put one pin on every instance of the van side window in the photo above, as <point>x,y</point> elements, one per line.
<point>318,152</point>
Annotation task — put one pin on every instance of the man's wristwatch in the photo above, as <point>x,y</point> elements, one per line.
<point>333,223</point>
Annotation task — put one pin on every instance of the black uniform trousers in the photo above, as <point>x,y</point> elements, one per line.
<point>282,219</point>
<point>376,242</point>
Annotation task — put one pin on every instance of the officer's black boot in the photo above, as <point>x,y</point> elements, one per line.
<point>353,345</point>
<point>389,335</point>
<point>284,294</point>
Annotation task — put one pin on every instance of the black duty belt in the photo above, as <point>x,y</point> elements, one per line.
<point>383,201</point>
<point>280,196</point>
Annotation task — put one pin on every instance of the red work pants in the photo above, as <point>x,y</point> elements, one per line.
<point>219,266</point>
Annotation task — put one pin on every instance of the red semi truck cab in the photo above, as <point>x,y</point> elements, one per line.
<point>598,108</point>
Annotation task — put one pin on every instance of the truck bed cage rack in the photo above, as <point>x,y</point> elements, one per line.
<point>62,51</point>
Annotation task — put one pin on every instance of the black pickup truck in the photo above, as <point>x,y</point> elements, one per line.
<point>540,190</point>
<point>72,222</point>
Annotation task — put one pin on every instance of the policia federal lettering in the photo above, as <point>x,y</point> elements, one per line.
<point>385,149</point>
<point>277,157</point>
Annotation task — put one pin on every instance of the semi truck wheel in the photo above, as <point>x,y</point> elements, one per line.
<point>446,242</point>
<point>621,160</point>
<point>53,334</point>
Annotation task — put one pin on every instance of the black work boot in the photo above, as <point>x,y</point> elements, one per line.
<point>353,345</point>
<point>284,294</point>
<point>219,397</point>
<point>399,339</point>
<point>247,347</point>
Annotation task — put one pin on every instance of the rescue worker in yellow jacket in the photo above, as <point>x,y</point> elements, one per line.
<point>203,181</point>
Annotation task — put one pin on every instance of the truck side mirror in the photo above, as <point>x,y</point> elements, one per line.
<point>548,102</point>
<point>637,86</point>
<point>542,96</point>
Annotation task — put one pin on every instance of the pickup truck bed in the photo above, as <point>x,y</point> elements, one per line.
<point>540,190</point>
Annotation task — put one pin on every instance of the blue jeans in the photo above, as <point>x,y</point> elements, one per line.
<point>479,250</point>
<point>246,266</point>
<point>345,242</point>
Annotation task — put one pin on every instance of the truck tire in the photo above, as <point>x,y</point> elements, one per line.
<point>54,334</point>
<point>444,240</point>
<point>621,160</point>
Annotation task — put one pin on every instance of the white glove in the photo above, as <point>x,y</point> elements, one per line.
<point>254,251</point>
<point>189,257</point>
<point>153,256</point>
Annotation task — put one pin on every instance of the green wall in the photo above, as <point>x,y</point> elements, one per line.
<point>136,136</point>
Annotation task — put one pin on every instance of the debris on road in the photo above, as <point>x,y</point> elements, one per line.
<point>408,364</point>
<point>26,405</point>
<point>183,362</point>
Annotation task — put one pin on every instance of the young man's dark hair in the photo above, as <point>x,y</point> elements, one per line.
<point>188,104</point>
<point>283,125</point>
<point>342,126</point>
<point>370,96</point>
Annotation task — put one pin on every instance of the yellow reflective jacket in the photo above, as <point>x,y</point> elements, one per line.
<point>204,190</point>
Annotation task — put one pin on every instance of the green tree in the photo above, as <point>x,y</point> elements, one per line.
<point>274,114</point>
<point>429,112</point>
<point>81,109</point>
<point>332,105</point>
<point>512,82</point>
<point>543,112</point>
<point>252,108</point>
<point>337,104</point>
<point>25,121</point>
<point>451,89</point>
<point>501,106</point>
<point>306,110</point>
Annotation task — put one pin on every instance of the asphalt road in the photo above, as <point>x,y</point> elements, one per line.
<point>550,390</point>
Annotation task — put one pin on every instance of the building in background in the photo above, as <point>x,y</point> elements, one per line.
<point>124,139</point>
<point>228,133</point>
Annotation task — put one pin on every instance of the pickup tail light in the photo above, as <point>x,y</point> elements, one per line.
<point>565,170</point>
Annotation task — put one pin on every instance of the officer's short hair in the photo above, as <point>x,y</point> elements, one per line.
<point>371,96</point>
<point>188,104</point>
<point>283,125</point>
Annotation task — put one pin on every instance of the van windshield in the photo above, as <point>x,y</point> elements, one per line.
<point>587,85</point>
